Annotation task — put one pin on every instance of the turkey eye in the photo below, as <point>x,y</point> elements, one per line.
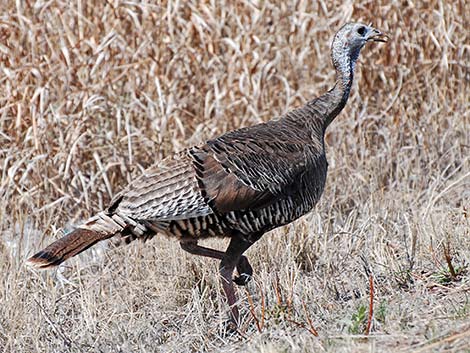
<point>361,30</point>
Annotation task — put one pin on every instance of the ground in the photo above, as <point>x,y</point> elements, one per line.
<point>93,92</point>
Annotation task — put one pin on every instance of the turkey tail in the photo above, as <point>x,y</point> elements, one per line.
<point>68,246</point>
<point>98,228</point>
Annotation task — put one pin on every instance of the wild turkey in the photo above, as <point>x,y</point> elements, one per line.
<point>239,185</point>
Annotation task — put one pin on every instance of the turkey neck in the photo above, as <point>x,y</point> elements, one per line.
<point>322,110</point>
<point>335,99</point>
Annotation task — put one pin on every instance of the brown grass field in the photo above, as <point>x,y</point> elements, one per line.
<point>92,92</point>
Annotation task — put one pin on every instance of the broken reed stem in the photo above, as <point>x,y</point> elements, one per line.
<point>312,329</point>
<point>371,304</point>
<point>448,258</point>
<point>276,289</point>
<point>252,311</point>
<point>263,306</point>
<point>288,305</point>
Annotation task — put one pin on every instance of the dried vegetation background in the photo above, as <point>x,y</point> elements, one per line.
<point>92,92</point>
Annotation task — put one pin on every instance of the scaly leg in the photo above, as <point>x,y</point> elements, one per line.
<point>230,259</point>
<point>244,269</point>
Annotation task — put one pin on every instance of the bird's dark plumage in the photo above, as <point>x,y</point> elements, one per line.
<point>239,185</point>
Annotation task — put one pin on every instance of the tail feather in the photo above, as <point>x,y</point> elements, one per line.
<point>70,245</point>
<point>98,228</point>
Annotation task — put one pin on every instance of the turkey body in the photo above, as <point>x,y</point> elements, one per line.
<point>243,184</point>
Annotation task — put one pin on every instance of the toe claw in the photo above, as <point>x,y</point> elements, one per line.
<point>243,279</point>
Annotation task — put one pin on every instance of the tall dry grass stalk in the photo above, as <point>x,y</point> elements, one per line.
<point>92,92</point>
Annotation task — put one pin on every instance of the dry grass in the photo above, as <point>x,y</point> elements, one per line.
<point>93,92</point>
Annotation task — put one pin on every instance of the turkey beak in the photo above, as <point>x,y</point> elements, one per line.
<point>376,36</point>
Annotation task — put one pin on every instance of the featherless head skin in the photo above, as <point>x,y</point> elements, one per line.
<point>345,49</point>
<point>349,41</point>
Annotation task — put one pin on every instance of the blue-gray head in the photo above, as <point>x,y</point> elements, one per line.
<point>349,41</point>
